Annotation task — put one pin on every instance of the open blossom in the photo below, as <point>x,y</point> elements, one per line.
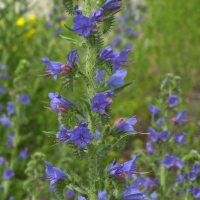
<point>149,147</point>
<point>82,26</point>
<point>57,100</point>
<point>173,100</point>
<point>196,168</point>
<point>81,198</point>
<point>25,99</point>
<point>5,121</point>
<point>77,11</point>
<point>99,103</point>
<point>180,117</point>
<point>172,161</point>
<point>64,135</point>
<point>2,160</point>
<point>10,108</point>
<point>70,193</point>
<point>102,195</point>
<point>153,135</point>
<point>53,68</point>
<point>9,143</point>
<point>2,90</point>
<point>8,174</point>
<point>24,154</point>
<point>111,4</point>
<point>180,138</point>
<point>106,53</point>
<point>127,126</point>
<point>73,58</point>
<point>160,121</point>
<point>153,109</point>
<point>181,178</point>
<point>192,175</point>
<point>54,174</point>
<point>117,79</point>
<point>99,75</point>
<point>164,136</point>
<point>97,16</point>
<point>82,136</point>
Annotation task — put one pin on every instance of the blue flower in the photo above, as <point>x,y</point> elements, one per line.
<point>73,58</point>
<point>164,136</point>
<point>3,76</point>
<point>1,107</point>
<point>83,26</point>
<point>2,160</point>
<point>128,30</point>
<point>173,100</point>
<point>24,154</point>
<point>191,189</point>
<point>83,124</point>
<point>108,93</point>
<point>153,135</point>
<point>57,100</point>
<point>5,121</point>
<point>126,126</point>
<point>102,194</point>
<point>154,195</point>
<point>2,90</point>
<point>82,136</point>
<point>10,108</point>
<point>98,135</point>
<point>106,53</point>
<point>54,174</point>
<point>49,24</point>
<point>153,109</point>
<point>64,134</point>
<point>9,143</point>
<point>57,31</point>
<point>180,178</point>
<point>11,135</point>
<point>160,121</point>
<point>196,168</point>
<point>70,193</point>
<point>25,99</point>
<point>97,16</point>
<point>99,75</point>
<point>99,102</point>
<point>11,198</point>
<point>117,79</point>
<point>178,162</point>
<point>192,175</point>
<point>8,174</point>
<point>81,198</point>
<point>169,161</point>
<point>149,147</point>
<point>77,11</point>
<point>128,46</point>
<point>180,117</point>
<point>180,138</point>
<point>196,193</point>
<point>53,68</point>
<point>111,4</point>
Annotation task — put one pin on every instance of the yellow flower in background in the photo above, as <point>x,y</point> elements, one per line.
<point>112,153</point>
<point>120,160</point>
<point>14,48</point>
<point>32,18</point>
<point>20,21</point>
<point>62,23</point>
<point>30,33</point>
<point>110,138</point>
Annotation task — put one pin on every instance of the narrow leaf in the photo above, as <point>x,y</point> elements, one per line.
<point>120,89</point>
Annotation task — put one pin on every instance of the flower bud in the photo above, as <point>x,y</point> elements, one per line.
<point>66,68</point>
<point>63,108</point>
<point>110,101</point>
<point>119,121</point>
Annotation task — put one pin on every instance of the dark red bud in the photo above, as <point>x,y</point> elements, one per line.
<point>66,68</point>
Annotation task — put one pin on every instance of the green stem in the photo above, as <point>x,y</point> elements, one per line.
<point>92,158</point>
<point>163,171</point>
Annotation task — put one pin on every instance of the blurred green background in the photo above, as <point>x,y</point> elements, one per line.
<point>169,41</point>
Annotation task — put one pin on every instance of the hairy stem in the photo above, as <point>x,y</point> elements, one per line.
<point>92,158</point>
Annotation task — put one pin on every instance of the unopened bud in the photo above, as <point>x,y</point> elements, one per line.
<point>66,68</point>
<point>10,93</point>
<point>174,119</point>
<point>110,101</point>
<point>62,108</point>
<point>119,121</point>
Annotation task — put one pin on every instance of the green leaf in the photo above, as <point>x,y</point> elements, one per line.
<point>73,41</point>
<point>104,151</point>
<point>86,103</point>
<point>68,28</point>
<point>120,89</point>
<point>59,187</point>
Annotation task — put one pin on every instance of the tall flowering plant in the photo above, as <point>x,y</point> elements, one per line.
<point>85,124</point>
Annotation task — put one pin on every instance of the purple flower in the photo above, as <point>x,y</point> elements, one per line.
<point>24,154</point>
<point>25,99</point>
<point>160,121</point>
<point>99,75</point>
<point>2,90</point>
<point>53,68</point>
<point>51,188</point>
<point>82,136</point>
<point>154,195</point>
<point>54,174</point>
<point>11,135</point>
<point>191,189</point>
<point>59,19</point>
<point>180,178</point>
<point>57,100</point>
<point>77,11</point>
<point>73,58</point>
<point>98,135</point>
<point>153,109</point>
<point>70,193</point>
<point>196,168</point>
<point>97,16</point>
<point>173,100</point>
<point>128,30</point>
<point>169,161</point>
<point>8,174</point>
<point>180,117</point>
<point>164,136</point>
<point>126,126</point>
<point>3,76</point>
<point>64,134</point>
<point>153,135</point>
<point>178,162</point>
<point>10,108</point>
<point>99,102</point>
<point>192,175</point>
<point>108,93</point>
<point>83,26</point>
<point>196,193</point>
<point>1,106</point>
<point>106,53</point>
<point>49,24</point>
<point>124,17</point>
<point>111,4</point>
<point>2,160</point>
<point>81,198</point>
<point>180,138</point>
<point>128,46</point>
<point>11,198</point>
<point>5,121</point>
<point>119,59</point>
<point>101,195</point>
<point>83,124</point>
<point>149,147</point>
<point>117,79</point>
<point>136,34</point>
<point>9,143</point>
<point>57,31</point>
<point>116,41</point>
